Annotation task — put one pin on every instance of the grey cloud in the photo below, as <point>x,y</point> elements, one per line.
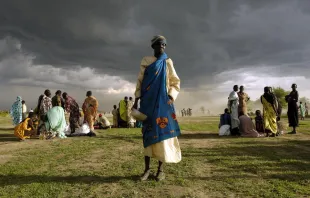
<point>204,38</point>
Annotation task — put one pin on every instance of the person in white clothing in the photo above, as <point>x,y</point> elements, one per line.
<point>233,103</point>
<point>24,107</point>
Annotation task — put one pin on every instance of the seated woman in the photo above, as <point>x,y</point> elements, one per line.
<point>225,122</point>
<point>55,123</point>
<point>259,124</point>
<point>247,127</point>
<point>25,129</point>
<point>102,122</point>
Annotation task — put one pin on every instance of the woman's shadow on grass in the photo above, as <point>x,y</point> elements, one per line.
<point>7,129</point>
<point>28,179</point>
<point>203,136</point>
<point>8,137</point>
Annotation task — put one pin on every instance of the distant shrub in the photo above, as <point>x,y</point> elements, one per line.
<point>4,113</point>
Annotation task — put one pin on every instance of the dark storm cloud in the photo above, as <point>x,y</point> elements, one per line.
<point>204,37</point>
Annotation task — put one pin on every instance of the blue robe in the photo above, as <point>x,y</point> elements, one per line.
<point>161,123</point>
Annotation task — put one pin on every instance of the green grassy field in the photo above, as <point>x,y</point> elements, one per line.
<point>109,165</point>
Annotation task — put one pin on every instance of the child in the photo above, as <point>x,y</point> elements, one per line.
<point>259,122</point>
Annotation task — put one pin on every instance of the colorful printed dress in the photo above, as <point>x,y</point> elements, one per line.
<point>72,107</point>
<point>269,113</point>
<point>17,111</point>
<point>20,129</point>
<point>90,107</point>
<point>157,79</point>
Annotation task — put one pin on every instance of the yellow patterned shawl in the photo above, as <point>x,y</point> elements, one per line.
<point>270,116</point>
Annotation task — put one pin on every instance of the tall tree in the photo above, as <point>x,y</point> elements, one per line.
<point>280,93</point>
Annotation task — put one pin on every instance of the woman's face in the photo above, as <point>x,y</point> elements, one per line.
<point>159,47</point>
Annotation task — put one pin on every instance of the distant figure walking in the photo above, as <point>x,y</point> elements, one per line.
<point>189,112</point>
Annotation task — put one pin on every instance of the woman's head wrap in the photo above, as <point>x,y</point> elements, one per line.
<point>159,38</point>
<point>18,99</point>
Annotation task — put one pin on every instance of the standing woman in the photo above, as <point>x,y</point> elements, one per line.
<point>45,106</point>
<point>270,112</point>
<point>292,112</point>
<point>243,99</point>
<point>17,111</point>
<point>158,86</point>
<point>72,107</point>
<point>90,107</point>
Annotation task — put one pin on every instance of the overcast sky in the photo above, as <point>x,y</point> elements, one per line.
<point>79,45</point>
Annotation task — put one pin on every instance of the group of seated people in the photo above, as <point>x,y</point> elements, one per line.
<point>246,126</point>
<point>55,124</point>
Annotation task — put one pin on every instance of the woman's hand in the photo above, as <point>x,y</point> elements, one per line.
<point>170,101</point>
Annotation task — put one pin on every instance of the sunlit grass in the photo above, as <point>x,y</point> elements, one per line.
<point>109,165</point>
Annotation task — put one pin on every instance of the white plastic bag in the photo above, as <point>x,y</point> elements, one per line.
<point>224,130</point>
